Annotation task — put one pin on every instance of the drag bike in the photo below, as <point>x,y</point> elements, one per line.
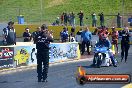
<point>101,56</point>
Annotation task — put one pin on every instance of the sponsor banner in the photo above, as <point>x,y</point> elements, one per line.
<point>33,55</point>
<point>22,55</point>
<point>6,57</point>
<point>63,51</point>
<point>26,55</point>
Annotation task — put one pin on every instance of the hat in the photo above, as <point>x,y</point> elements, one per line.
<point>11,22</point>
<point>94,14</point>
<point>44,26</point>
<point>27,29</point>
<point>113,28</point>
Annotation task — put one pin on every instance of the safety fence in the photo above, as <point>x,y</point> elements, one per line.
<point>24,54</point>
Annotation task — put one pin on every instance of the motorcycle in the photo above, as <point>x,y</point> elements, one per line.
<point>101,56</point>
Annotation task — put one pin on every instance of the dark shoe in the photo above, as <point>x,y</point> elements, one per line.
<point>125,60</point>
<point>93,65</point>
<point>98,66</point>
<point>115,65</point>
<point>121,59</point>
<point>39,80</point>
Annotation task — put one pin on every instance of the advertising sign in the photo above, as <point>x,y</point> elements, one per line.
<point>6,57</point>
<point>63,51</point>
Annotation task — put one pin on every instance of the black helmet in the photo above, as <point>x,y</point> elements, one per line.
<point>11,22</point>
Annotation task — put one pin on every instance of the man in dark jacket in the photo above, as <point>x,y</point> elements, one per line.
<point>81,15</point>
<point>119,20</point>
<point>65,19</point>
<point>27,35</point>
<point>101,19</point>
<point>9,34</point>
<point>125,43</point>
<point>42,47</point>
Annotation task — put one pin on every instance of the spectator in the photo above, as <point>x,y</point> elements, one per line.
<point>131,22</point>
<point>86,39</point>
<point>69,18</point>
<point>65,19</point>
<point>35,34</point>
<point>101,19</point>
<point>9,34</point>
<point>64,35</point>
<point>94,20</point>
<point>72,19</point>
<point>72,35</point>
<point>57,21</point>
<point>62,18</point>
<point>125,43</point>
<point>27,35</point>
<point>119,20</point>
<point>79,39</point>
<point>114,36</point>
<point>81,15</point>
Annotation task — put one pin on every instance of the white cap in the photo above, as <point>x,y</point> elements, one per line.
<point>27,29</point>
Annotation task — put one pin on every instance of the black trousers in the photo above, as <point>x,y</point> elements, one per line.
<point>87,45</point>
<point>124,49</point>
<point>81,22</point>
<point>42,64</point>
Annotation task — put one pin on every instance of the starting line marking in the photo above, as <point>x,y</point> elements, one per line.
<point>127,86</point>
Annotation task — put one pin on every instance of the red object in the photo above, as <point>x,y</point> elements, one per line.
<point>103,33</point>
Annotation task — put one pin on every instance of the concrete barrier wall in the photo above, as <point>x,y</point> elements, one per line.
<point>56,29</point>
<point>25,54</point>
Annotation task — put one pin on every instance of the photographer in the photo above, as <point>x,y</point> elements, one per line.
<point>81,15</point>
<point>42,47</point>
<point>27,35</point>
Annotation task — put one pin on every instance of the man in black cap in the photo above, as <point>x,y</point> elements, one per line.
<point>9,34</point>
<point>42,47</point>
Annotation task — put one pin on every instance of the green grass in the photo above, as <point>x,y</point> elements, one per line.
<point>31,10</point>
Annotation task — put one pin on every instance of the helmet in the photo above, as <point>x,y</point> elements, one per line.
<point>104,36</point>
<point>113,28</point>
<point>11,22</point>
